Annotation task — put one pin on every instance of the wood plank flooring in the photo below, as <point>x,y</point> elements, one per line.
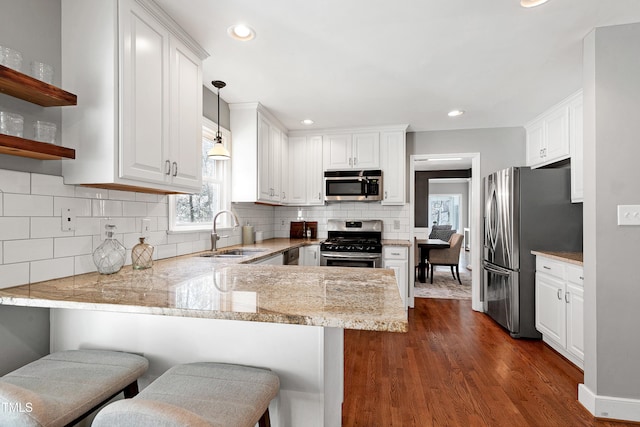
<point>456,367</point>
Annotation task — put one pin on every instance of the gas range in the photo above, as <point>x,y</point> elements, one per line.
<point>343,244</point>
<point>352,243</point>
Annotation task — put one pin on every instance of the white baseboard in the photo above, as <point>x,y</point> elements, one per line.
<point>615,408</point>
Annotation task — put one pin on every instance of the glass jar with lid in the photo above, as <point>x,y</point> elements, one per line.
<point>110,255</point>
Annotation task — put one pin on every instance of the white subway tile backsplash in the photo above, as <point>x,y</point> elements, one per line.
<point>87,226</point>
<point>12,228</point>
<point>48,227</point>
<point>144,197</point>
<point>123,224</point>
<point>27,250</point>
<point>34,247</point>
<point>81,207</point>
<point>72,246</point>
<point>51,269</point>
<point>165,251</point>
<point>83,264</point>
<point>15,182</point>
<point>163,223</point>
<point>50,185</point>
<point>184,248</point>
<point>157,209</point>
<point>121,195</point>
<point>91,193</point>
<point>27,205</point>
<point>134,209</point>
<point>14,274</point>
<point>106,208</point>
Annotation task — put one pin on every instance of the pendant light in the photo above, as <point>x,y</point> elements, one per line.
<point>218,151</point>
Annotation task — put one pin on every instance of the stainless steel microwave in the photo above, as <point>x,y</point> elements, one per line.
<point>353,185</point>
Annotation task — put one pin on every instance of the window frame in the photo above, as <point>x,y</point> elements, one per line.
<point>209,129</point>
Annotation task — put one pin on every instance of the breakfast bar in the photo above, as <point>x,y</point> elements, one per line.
<point>191,308</point>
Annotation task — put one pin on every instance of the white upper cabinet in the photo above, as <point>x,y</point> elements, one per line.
<point>352,151</point>
<point>337,151</point>
<point>305,171</point>
<point>549,135</point>
<point>366,150</point>
<point>393,159</point>
<point>138,76</point>
<point>259,148</point>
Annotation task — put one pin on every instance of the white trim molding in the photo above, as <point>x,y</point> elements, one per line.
<point>614,408</point>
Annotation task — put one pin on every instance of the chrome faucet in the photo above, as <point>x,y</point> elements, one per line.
<point>214,233</point>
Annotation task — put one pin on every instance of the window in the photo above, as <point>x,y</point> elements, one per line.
<point>445,209</point>
<point>190,212</point>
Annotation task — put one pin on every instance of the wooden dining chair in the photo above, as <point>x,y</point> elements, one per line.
<point>449,257</point>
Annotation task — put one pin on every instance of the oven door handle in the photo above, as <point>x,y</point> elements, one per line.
<point>358,256</point>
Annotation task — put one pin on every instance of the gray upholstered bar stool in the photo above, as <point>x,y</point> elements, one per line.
<point>198,394</point>
<point>62,388</point>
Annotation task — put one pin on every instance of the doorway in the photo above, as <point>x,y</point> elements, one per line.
<point>451,161</point>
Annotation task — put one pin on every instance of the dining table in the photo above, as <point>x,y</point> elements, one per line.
<point>425,245</point>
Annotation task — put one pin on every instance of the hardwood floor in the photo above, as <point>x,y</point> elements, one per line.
<point>456,367</point>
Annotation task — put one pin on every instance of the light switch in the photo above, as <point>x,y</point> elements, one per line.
<point>628,214</point>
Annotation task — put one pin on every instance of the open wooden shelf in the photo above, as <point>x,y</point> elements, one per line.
<point>17,146</point>
<point>25,87</point>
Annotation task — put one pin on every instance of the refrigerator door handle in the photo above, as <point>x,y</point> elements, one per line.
<point>497,270</point>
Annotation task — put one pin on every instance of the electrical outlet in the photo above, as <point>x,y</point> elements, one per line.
<point>145,228</point>
<point>68,219</point>
<point>628,214</point>
<point>396,224</point>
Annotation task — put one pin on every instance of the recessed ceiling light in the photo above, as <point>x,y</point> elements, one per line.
<point>455,113</point>
<point>445,159</point>
<point>531,3</point>
<point>307,122</point>
<point>241,32</point>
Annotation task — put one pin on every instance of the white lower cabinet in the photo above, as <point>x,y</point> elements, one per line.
<point>397,259</point>
<point>310,255</point>
<point>560,307</point>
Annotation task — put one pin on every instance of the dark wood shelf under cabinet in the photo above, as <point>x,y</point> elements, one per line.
<point>17,146</point>
<point>27,88</point>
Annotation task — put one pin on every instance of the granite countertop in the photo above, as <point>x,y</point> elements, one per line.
<point>570,257</point>
<point>396,242</point>
<point>215,288</point>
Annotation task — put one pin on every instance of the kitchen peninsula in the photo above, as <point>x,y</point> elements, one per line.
<point>191,308</point>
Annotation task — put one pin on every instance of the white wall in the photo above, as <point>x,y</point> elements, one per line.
<point>611,152</point>
<point>499,148</point>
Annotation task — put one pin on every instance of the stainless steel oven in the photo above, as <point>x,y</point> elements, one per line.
<point>342,259</point>
<point>354,243</point>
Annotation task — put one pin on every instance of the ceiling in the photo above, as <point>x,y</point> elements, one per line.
<point>346,63</point>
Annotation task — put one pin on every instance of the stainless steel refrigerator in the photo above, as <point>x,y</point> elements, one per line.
<point>525,209</point>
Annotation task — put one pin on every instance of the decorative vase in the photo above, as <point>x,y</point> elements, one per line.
<point>142,255</point>
<point>110,255</point>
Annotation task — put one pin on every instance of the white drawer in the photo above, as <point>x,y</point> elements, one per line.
<point>394,252</point>
<point>575,274</point>
<point>551,267</point>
